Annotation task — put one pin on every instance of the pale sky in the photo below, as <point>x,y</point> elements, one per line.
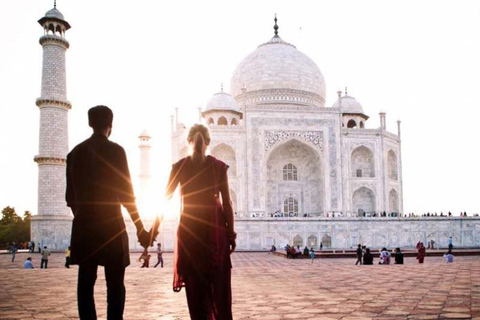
<point>419,61</point>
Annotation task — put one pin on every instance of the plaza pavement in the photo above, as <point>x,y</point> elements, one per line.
<point>264,287</point>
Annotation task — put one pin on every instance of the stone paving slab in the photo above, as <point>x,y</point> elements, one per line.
<point>264,287</point>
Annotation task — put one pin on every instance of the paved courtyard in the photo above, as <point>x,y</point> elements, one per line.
<point>264,287</point>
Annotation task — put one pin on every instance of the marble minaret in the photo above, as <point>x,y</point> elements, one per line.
<point>144,176</point>
<point>51,226</point>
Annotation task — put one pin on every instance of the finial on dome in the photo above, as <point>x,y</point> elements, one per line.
<point>339,92</point>
<point>55,4</point>
<point>275,27</point>
<point>346,93</point>
<point>221,87</point>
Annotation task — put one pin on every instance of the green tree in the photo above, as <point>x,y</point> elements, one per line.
<point>13,227</point>
<point>9,216</point>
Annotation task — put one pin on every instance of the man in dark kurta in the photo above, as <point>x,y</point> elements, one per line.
<point>98,183</point>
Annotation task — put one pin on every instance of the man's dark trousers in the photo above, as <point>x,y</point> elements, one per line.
<point>114,276</point>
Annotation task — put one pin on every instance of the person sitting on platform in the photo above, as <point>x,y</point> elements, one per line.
<point>385,256</point>
<point>368,257</point>
<point>398,256</point>
<point>298,251</point>
<point>448,256</point>
<point>306,252</point>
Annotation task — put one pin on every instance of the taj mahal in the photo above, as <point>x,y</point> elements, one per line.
<point>301,172</point>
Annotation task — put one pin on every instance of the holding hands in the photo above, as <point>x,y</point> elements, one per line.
<point>146,238</point>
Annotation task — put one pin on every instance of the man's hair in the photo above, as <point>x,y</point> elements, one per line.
<point>100,117</point>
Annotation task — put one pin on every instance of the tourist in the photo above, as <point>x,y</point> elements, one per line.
<point>159,256</point>
<point>67,257</point>
<point>306,252</point>
<point>206,223</point>
<point>287,250</point>
<point>273,248</point>
<point>13,250</point>
<point>450,243</point>
<point>385,256</point>
<point>39,248</point>
<point>33,246</point>
<point>98,184</point>
<point>321,245</point>
<point>448,256</point>
<point>293,252</point>
<point>44,261</point>
<point>146,261</point>
<point>421,252</point>
<point>359,254</point>
<point>398,256</point>
<point>298,251</point>
<point>368,257</point>
<point>28,264</point>
<point>312,254</point>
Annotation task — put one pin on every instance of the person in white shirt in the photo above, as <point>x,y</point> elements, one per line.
<point>448,256</point>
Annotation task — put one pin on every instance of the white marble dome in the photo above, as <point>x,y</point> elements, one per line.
<point>278,65</point>
<point>222,101</point>
<point>348,104</point>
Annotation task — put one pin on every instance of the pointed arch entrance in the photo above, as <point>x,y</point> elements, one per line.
<point>307,187</point>
<point>363,200</point>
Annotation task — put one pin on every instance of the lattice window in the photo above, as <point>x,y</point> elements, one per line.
<point>290,207</point>
<point>290,173</point>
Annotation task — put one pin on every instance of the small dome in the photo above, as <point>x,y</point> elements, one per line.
<point>145,134</point>
<point>54,13</point>
<point>348,104</point>
<point>222,101</point>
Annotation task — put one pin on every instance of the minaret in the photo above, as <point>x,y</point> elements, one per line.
<point>52,225</point>
<point>144,175</point>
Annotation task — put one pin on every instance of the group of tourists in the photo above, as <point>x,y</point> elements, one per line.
<point>45,252</point>
<point>365,256</point>
<point>145,257</point>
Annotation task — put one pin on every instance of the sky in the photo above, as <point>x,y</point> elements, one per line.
<point>418,61</point>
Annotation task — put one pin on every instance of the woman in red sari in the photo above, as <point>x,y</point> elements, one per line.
<point>421,252</point>
<point>205,236</point>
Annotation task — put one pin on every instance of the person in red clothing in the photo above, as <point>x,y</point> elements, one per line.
<point>421,252</point>
<point>205,236</point>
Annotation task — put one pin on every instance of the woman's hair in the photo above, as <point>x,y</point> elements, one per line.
<point>199,137</point>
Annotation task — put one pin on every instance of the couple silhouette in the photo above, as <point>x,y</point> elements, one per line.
<point>98,184</point>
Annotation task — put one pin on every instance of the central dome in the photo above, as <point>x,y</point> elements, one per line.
<point>279,65</point>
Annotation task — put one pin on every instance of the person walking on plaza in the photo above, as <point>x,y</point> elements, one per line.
<point>13,250</point>
<point>159,256</point>
<point>359,254</point>
<point>44,261</point>
<point>205,236</point>
<point>421,252</point>
<point>312,254</point>
<point>98,184</point>
<point>450,243</point>
<point>28,264</point>
<point>67,257</point>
